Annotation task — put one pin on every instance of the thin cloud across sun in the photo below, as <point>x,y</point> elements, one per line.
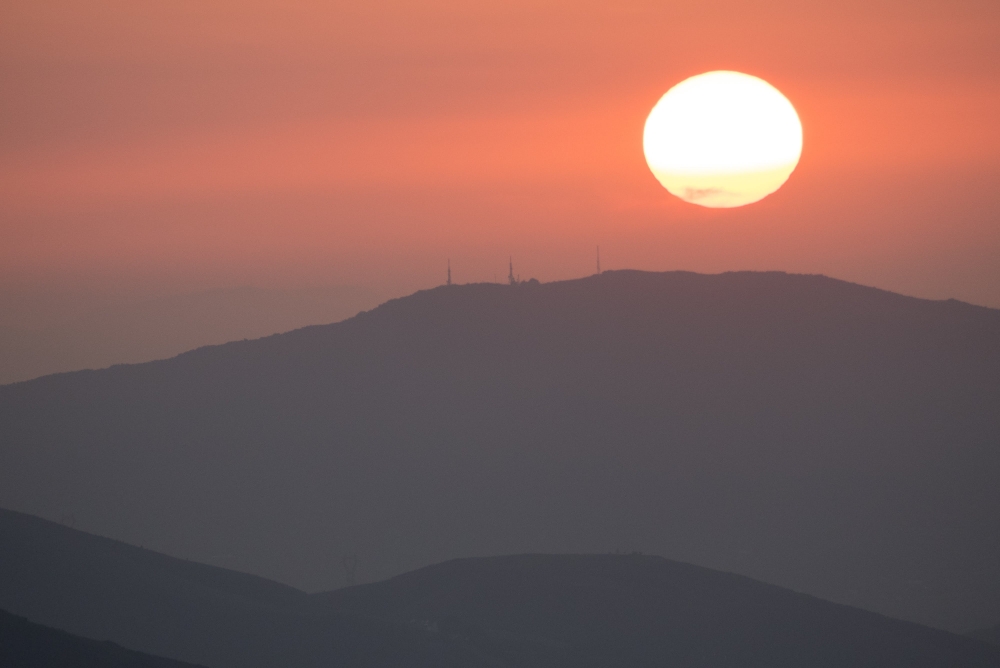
<point>722,139</point>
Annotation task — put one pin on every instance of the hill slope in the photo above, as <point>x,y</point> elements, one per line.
<point>633,610</point>
<point>100,588</point>
<point>536,611</point>
<point>831,438</point>
<point>27,645</point>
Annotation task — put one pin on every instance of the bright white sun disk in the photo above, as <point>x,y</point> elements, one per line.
<point>722,139</point>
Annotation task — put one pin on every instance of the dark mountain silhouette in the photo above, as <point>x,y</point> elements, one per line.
<point>536,611</point>
<point>100,588</point>
<point>819,435</point>
<point>27,645</point>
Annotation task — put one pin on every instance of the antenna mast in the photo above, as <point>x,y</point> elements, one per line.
<point>449,272</point>
<point>510,276</point>
<point>598,259</point>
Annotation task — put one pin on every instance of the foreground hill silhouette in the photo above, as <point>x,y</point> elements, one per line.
<point>827,437</point>
<point>534,611</point>
<point>634,610</point>
<point>27,645</point>
<point>100,588</point>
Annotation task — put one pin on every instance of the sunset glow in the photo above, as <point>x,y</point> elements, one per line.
<point>516,333</point>
<point>722,139</point>
<point>150,150</point>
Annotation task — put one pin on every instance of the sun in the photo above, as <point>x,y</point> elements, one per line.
<point>722,139</point>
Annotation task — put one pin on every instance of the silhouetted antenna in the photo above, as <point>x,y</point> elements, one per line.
<point>510,276</point>
<point>350,569</point>
<point>449,272</point>
<point>598,259</point>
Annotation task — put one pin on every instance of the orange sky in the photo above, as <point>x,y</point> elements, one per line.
<point>190,145</point>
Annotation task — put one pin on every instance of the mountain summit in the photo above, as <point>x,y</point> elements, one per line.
<point>823,436</point>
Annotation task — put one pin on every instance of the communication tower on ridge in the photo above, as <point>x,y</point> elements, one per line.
<point>598,259</point>
<point>510,276</point>
<point>449,272</point>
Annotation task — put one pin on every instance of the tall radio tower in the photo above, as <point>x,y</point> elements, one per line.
<point>598,259</point>
<point>510,277</point>
<point>449,272</point>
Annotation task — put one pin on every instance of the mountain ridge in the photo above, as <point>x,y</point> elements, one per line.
<point>524,284</point>
<point>518,611</point>
<point>643,610</point>
<point>95,587</point>
<point>824,436</point>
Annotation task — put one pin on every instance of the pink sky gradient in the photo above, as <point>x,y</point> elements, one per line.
<point>176,147</point>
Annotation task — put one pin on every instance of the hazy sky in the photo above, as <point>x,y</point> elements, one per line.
<point>166,147</point>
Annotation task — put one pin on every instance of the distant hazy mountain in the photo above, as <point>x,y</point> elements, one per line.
<point>827,437</point>
<point>27,645</point>
<point>539,611</point>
